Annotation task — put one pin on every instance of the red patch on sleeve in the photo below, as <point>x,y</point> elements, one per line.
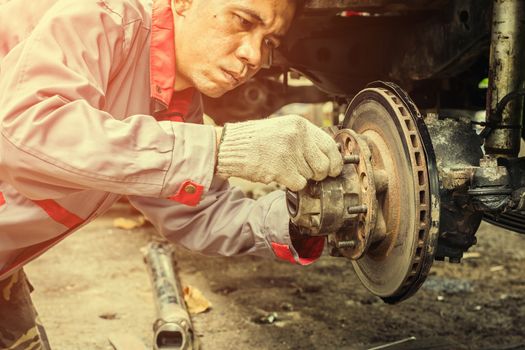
<point>2,199</point>
<point>283,252</point>
<point>189,193</point>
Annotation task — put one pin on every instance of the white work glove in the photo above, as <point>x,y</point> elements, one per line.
<point>288,150</point>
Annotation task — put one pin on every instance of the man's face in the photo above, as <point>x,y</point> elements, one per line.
<point>220,44</point>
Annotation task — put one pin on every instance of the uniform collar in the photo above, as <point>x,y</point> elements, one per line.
<point>162,60</point>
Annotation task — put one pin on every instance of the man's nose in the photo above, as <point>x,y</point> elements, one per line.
<point>250,53</point>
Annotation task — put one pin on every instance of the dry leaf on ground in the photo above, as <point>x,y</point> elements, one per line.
<point>471,255</point>
<point>195,300</point>
<point>129,224</point>
<point>497,268</point>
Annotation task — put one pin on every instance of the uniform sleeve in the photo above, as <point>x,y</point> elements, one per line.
<point>226,223</point>
<point>56,137</point>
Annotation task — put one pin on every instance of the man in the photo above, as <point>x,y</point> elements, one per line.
<point>100,98</point>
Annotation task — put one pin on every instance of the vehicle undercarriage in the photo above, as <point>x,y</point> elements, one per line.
<point>429,151</point>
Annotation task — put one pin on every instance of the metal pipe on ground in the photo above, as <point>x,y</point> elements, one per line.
<point>173,328</point>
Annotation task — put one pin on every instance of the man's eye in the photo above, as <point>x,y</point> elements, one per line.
<point>244,23</point>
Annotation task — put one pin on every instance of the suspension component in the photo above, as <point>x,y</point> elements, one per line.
<point>506,78</point>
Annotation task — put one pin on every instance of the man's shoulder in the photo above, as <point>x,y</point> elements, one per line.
<point>125,11</point>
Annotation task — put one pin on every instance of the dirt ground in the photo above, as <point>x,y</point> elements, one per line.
<point>95,284</point>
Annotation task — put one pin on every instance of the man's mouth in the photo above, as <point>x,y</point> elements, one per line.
<point>231,77</point>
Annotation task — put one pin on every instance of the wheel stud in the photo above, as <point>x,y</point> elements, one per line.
<point>357,209</point>
<point>351,159</point>
<point>346,244</point>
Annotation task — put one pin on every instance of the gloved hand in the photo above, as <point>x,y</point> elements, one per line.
<point>288,150</point>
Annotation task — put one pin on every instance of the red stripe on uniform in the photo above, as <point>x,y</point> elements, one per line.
<point>178,119</point>
<point>59,214</point>
<point>181,101</point>
<point>2,199</point>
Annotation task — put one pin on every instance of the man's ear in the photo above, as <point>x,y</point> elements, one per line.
<point>181,6</point>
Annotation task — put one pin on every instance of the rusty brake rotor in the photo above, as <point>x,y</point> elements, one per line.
<point>382,212</point>
<point>400,257</point>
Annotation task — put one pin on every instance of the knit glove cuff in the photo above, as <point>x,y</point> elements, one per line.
<point>236,148</point>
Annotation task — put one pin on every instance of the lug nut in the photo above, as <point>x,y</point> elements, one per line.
<point>360,209</point>
<point>351,159</point>
<point>346,244</point>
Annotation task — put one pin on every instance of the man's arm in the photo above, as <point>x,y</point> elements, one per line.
<point>226,223</point>
<point>56,134</point>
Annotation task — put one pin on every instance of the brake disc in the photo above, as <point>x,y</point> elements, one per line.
<point>399,259</point>
<point>382,212</point>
